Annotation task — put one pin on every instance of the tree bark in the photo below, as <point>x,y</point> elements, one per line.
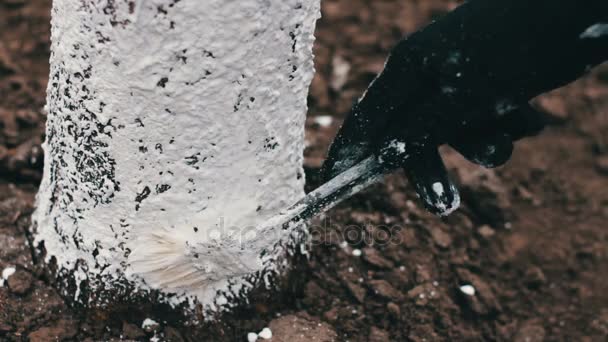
<point>174,126</point>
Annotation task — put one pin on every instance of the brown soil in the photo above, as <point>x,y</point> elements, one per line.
<point>531,238</point>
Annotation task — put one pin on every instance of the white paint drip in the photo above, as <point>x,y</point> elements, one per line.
<point>182,125</point>
<point>595,31</point>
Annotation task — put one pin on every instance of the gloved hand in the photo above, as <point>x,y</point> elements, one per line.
<point>466,80</point>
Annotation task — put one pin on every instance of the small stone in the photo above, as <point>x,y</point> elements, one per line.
<point>20,283</point>
<point>421,294</point>
<point>27,117</point>
<point>486,231</point>
<point>601,165</point>
<point>357,291</point>
<point>385,290</point>
<point>357,252</point>
<point>62,330</point>
<point>5,327</point>
<point>378,335</point>
<point>534,277</point>
<point>486,193</point>
<point>331,315</point>
<point>530,331</point>
<point>393,309</point>
<point>132,331</point>
<point>441,238</point>
<point>372,256</point>
<point>172,335</point>
<point>301,327</point>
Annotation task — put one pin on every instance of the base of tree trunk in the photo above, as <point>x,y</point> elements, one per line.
<point>175,128</point>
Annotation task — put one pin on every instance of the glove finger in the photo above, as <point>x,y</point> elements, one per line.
<point>522,122</point>
<point>492,147</point>
<point>487,150</point>
<point>429,177</point>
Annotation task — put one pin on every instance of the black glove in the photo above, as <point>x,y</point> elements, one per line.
<point>466,80</point>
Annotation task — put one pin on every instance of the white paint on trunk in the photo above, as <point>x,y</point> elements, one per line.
<point>173,125</point>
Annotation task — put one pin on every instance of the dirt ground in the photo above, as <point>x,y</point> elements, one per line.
<point>531,237</point>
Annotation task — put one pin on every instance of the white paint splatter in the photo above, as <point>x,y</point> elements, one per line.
<point>252,337</point>
<point>324,120</point>
<point>505,106</point>
<point>438,188</point>
<point>454,57</point>
<point>266,334</point>
<point>595,31</point>
<point>340,70</point>
<point>6,273</point>
<point>397,146</point>
<point>149,323</point>
<point>448,90</point>
<point>469,290</point>
<point>221,300</point>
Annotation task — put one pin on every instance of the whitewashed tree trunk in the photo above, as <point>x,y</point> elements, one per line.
<point>170,122</point>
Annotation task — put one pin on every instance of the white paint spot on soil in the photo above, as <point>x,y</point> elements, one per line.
<point>149,323</point>
<point>252,337</point>
<point>339,77</point>
<point>6,273</point>
<point>266,334</point>
<point>469,290</point>
<point>324,120</point>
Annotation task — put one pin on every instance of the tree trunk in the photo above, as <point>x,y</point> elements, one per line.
<point>174,126</point>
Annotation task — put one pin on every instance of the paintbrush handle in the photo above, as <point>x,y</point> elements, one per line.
<point>341,187</point>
